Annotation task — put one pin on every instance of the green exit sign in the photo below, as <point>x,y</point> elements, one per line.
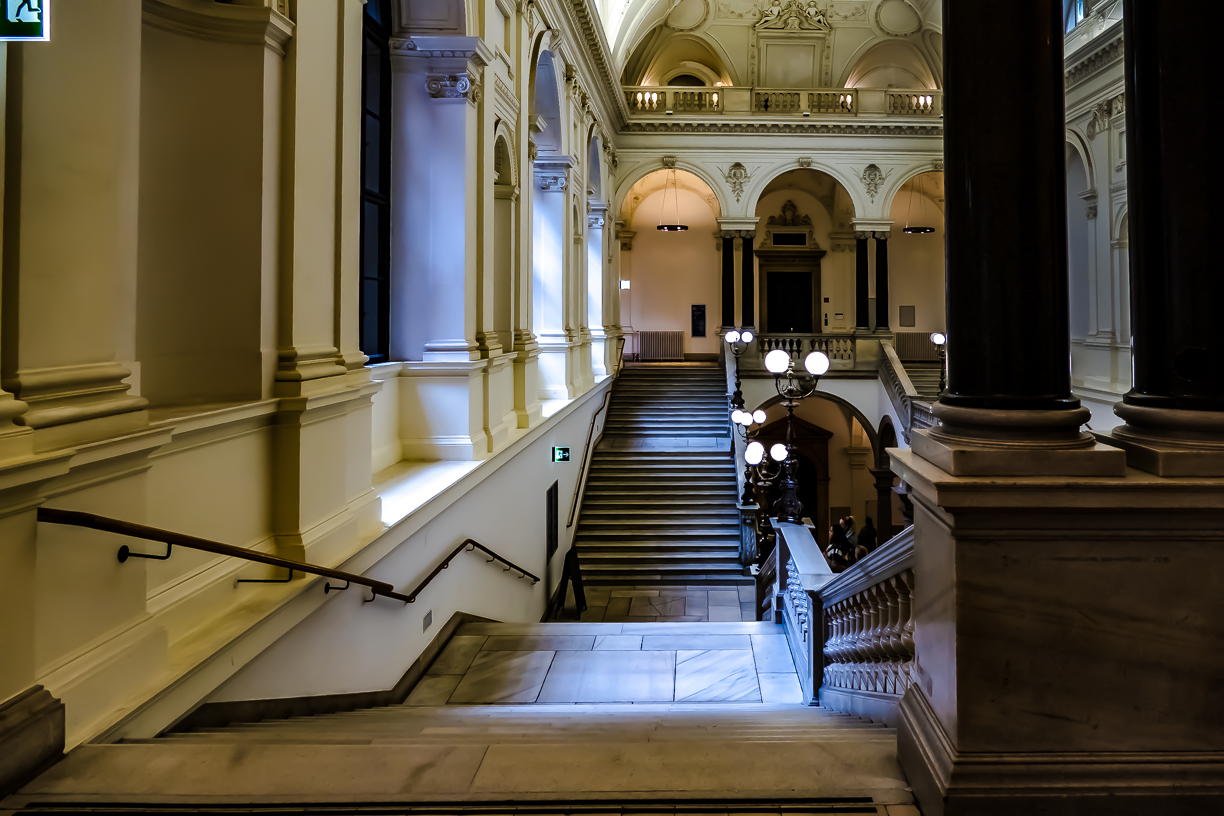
<point>561,454</point>
<point>25,21</point>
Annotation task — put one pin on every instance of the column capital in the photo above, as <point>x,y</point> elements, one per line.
<point>737,227</point>
<point>870,225</point>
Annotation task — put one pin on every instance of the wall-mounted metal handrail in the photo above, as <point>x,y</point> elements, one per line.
<point>468,545</point>
<point>586,451</point>
<point>74,518</point>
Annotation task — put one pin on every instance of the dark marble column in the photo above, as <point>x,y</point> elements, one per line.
<point>748,283</point>
<point>884,493</point>
<point>862,294</point>
<point>1005,212</point>
<point>881,299</point>
<point>1176,284</point>
<point>728,280</point>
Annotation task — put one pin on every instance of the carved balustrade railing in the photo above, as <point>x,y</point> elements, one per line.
<point>749,551</point>
<point>869,631</point>
<point>647,100</point>
<point>914,103</point>
<point>901,392</point>
<point>840,348</point>
<point>922,415</point>
<point>776,100</point>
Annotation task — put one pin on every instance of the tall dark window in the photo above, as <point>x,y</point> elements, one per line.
<point>376,183</point>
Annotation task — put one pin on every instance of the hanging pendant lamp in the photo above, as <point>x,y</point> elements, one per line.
<point>915,230</point>
<point>676,226</point>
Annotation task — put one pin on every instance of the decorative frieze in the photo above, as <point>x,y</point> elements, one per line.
<point>452,86</point>
<point>551,182</point>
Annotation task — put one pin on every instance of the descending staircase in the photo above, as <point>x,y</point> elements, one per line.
<point>529,758</point>
<point>659,506</point>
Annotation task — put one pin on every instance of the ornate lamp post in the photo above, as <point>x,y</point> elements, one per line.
<point>941,343</point>
<point>793,387</point>
<point>742,421</point>
<point>737,341</point>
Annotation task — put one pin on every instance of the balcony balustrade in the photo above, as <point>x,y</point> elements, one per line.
<point>653,100</point>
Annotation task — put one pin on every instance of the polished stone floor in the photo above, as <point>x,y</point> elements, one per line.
<point>711,662</point>
<point>691,604</point>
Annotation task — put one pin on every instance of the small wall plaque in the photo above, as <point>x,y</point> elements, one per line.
<point>699,321</point>
<point>561,454</point>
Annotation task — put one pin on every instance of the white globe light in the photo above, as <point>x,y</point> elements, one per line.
<point>816,363</point>
<point>754,453</point>
<point>732,336</point>
<point>938,338</point>
<point>747,337</point>
<point>745,418</point>
<point>777,361</point>
<point>758,416</point>
<point>737,416</point>
<point>778,452</point>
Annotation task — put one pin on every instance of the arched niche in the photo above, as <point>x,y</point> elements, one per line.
<point>505,236</point>
<point>1079,238</point>
<point>891,64</point>
<point>625,186</point>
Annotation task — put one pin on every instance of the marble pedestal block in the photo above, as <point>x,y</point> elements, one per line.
<point>1068,635</point>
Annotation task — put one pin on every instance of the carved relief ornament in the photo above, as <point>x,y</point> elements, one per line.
<point>873,179</point>
<point>737,176</point>
<point>793,15</point>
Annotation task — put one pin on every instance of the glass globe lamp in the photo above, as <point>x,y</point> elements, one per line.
<point>816,363</point>
<point>777,361</point>
<point>758,416</point>
<point>746,337</point>
<point>778,452</point>
<point>939,338</point>
<point>754,453</point>
<point>732,336</point>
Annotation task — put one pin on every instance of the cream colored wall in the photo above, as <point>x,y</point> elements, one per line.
<point>916,264</point>
<point>670,272</point>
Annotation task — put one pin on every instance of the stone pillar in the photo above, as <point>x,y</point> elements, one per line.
<point>748,276</point>
<point>435,159</point>
<point>70,227</point>
<point>862,291</point>
<point>551,280</point>
<point>526,349</point>
<point>1008,386</point>
<point>1174,412</point>
<point>728,281</point>
<point>881,299</point>
<point>595,288</point>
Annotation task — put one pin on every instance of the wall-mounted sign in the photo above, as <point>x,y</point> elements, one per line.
<point>561,454</point>
<point>25,21</point>
<point>699,327</point>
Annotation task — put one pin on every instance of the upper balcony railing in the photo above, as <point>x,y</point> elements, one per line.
<point>647,100</point>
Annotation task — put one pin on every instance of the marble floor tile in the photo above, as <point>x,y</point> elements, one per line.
<point>617,607</point>
<point>724,597</point>
<point>635,593</point>
<point>656,606</point>
<point>610,677</point>
<point>495,628</point>
<point>433,690</point>
<point>680,618</point>
<point>618,643</point>
<point>903,810</point>
<point>724,628</point>
<point>597,596</point>
<point>593,613</point>
<point>747,594</point>
<point>780,688</point>
<point>458,655</point>
<point>504,677</point>
<point>696,603</point>
<point>748,611</point>
<point>716,676</point>
<point>772,654</point>
<point>696,642</point>
<point>538,643</point>
<point>725,613</point>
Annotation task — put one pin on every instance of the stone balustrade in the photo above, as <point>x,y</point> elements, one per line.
<point>841,349</point>
<point>654,100</point>
<point>869,632</point>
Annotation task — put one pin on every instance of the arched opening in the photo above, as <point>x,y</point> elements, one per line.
<point>595,255</point>
<point>1078,248</point>
<point>841,449</point>
<point>670,273</point>
<point>550,248</point>
<point>916,259</point>
<point>804,214</point>
<point>892,64</point>
<point>505,198</point>
<point>667,57</point>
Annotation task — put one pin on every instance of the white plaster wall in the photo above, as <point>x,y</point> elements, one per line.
<point>348,646</point>
<point>670,272</point>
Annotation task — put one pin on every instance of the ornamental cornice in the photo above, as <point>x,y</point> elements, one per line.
<point>597,49</point>
<point>472,49</point>
<point>251,25</point>
<point>788,128</point>
<point>1096,57</point>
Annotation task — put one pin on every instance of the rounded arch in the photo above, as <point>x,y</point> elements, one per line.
<point>872,435</point>
<point>764,178</point>
<point>594,143</point>
<point>636,174</point>
<point>1080,145</point>
<point>887,436</point>
<point>897,180</point>
<point>1120,229</point>
<point>891,63</point>
<point>505,168</point>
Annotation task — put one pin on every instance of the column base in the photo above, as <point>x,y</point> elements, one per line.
<point>983,442</point>
<point>527,385</point>
<point>442,411</point>
<point>1169,442</point>
<point>947,782</point>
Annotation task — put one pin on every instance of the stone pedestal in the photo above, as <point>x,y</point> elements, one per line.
<point>1067,637</point>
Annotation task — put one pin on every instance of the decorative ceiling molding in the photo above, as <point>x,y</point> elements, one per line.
<point>1106,52</point>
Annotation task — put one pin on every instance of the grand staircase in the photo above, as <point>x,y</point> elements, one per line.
<point>660,500</point>
<point>556,750</point>
<point>925,378</point>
